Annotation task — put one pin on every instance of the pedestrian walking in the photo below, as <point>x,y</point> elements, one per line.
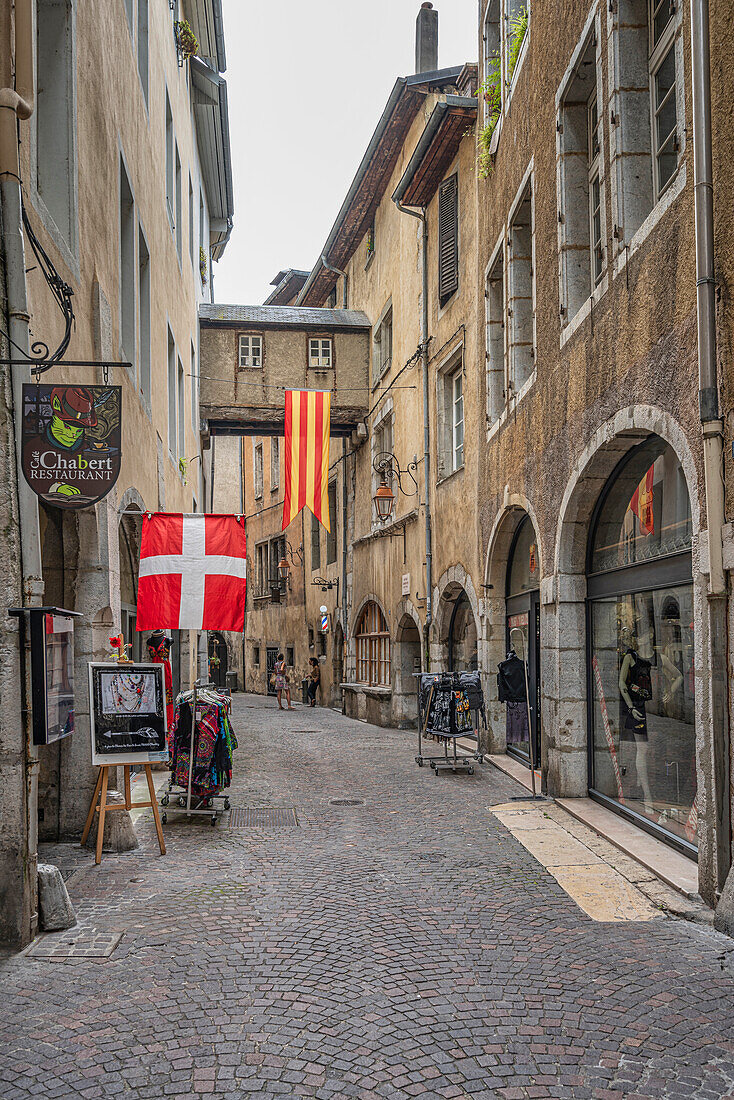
<point>314,680</point>
<point>281,682</point>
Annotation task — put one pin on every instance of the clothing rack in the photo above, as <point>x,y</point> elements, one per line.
<point>204,803</point>
<point>455,761</point>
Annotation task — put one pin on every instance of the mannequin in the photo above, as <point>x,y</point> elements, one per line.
<point>159,649</point>
<point>635,689</point>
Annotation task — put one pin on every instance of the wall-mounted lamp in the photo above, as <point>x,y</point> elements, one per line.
<point>387,466</point>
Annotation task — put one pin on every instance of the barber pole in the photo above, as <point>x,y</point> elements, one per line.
<point>324,621</point>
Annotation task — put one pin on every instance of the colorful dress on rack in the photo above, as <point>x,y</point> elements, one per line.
<point>159,656</point>
<point>214,744</point>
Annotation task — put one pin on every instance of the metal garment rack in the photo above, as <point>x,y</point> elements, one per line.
<point>457,762</point>
<point>204,803</point>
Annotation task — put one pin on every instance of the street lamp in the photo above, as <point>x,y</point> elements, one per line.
<point>384,500</point>
<point>387,466</point>
<point>284,568</point>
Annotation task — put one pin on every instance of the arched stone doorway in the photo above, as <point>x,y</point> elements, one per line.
<point>338,665</point>
<point>458,635</point>
<point>588,709</point>
<point>218,659</point>
<point>406,664</point>
<point>513,610</point>
<point>128,538</point>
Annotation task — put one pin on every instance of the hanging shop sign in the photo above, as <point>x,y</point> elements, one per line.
<point>71,442</point>
<point>128,714</point>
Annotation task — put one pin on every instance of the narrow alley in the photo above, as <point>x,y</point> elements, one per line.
<point>385,935</point>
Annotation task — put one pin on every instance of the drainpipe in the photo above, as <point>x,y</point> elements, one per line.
<point>337,271</point>
<point>421,216</point>
<point>711,424</point>
<point>16,104</point>
<point>345,504</point>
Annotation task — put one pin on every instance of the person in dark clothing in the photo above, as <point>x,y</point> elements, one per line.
<point>314,680</point>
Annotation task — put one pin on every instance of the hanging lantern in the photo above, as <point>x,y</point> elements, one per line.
<point>384,500</point>
<point>283,569</point>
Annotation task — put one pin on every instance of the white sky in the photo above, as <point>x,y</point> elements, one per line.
<point>307,81</point>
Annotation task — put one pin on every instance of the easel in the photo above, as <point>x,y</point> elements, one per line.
<point>105,808</point>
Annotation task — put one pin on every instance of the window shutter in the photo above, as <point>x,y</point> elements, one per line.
<point>448,239</point>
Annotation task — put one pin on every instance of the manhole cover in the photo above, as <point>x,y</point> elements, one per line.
<point>75,944</point>
<point>265,817</point>
<point>346,802</point>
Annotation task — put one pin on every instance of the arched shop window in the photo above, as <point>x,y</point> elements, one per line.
<point>641,634</point>
<point>373,647</point>
<point>522,623</point>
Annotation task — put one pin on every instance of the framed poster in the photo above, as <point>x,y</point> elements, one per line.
<point>52,673</point>
<point>71,442</point>
<point>127,713</point>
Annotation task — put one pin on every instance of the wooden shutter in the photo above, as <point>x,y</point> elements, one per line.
<point>448,238</point>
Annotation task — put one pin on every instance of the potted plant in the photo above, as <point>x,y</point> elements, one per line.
<point>491,92</point>
<point>203,265</point>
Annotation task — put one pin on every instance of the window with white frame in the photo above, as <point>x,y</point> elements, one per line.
<point>506,24</point>
<point>521,294</point>
<point>331,534</point>
<point>663,85</point>
<point>319,352</point>
<point>257,470</point>
<point>647,104</point>
<point>580,183</point>
<point>127,267</point>
<point>382,345</point>
<point>172,380</point>
<point>250,351</point>
<point>451,416</point>
<point>181,417</point>
<point>261,569</point>
<point>495,307</point>
<point>144,315</point>
<point>517,16</point>
<point>178,200</point>
<point>457,419</point>
<point>274,463</point>
<point>170,154</point>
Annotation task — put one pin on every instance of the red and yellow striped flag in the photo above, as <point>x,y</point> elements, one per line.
<point>307,431</point>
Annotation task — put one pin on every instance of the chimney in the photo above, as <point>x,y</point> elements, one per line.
<point>426,40</point>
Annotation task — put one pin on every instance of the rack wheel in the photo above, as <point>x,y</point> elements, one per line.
<point>181,800</point>
<point>214,819</point>
<point>208,803</point>
<point>164,818</point>
<point>226,803</point>
<point>165,800</point>
<point>471,771</point>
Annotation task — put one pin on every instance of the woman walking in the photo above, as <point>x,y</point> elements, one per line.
<point>281,682</point>
<point>314,680</point>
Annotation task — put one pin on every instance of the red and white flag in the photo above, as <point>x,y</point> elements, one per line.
<point>192,572</point>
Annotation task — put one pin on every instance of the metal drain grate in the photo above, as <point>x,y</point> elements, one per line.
<point>263,817</point>
<point>75,944</point>
<point>346,802</point>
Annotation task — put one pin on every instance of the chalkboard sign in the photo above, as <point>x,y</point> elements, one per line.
<point>128,714</point>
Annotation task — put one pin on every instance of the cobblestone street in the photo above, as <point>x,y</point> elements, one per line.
<point>403,946</point>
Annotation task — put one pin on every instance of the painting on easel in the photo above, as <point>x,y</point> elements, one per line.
<point>127,713</point>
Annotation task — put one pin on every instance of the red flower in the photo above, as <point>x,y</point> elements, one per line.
<point>116,643</point>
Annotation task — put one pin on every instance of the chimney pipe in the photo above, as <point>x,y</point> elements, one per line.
<point>426,39</point>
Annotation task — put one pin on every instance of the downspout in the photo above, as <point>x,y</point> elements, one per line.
<point>345,504</point>
<point>16,104</point>
<point>421,216</point>
<point>337,271</point>
<point>712,427</point>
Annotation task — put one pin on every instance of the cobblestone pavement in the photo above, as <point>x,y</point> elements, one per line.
<point>408,946</point>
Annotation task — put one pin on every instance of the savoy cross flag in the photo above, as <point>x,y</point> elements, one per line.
<point>192,572</point>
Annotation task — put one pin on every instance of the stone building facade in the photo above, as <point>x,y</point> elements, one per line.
<point>537,394</point>
<point>124,168</point>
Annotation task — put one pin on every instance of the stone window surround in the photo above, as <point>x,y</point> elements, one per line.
<point>512,402</point>
<point>592,29</point>
<point>383,369</point>
<point>626,249</point>
<point>507,88</point>
<point>451,364</point>
<point>257,481</point>
<point>68,249</point>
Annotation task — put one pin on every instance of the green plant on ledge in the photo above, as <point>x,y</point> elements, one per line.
<point>183,466</point>
<point>518,30</point>
<point>491,92</point>
<point>203,266</point>
<point>186,40</point>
